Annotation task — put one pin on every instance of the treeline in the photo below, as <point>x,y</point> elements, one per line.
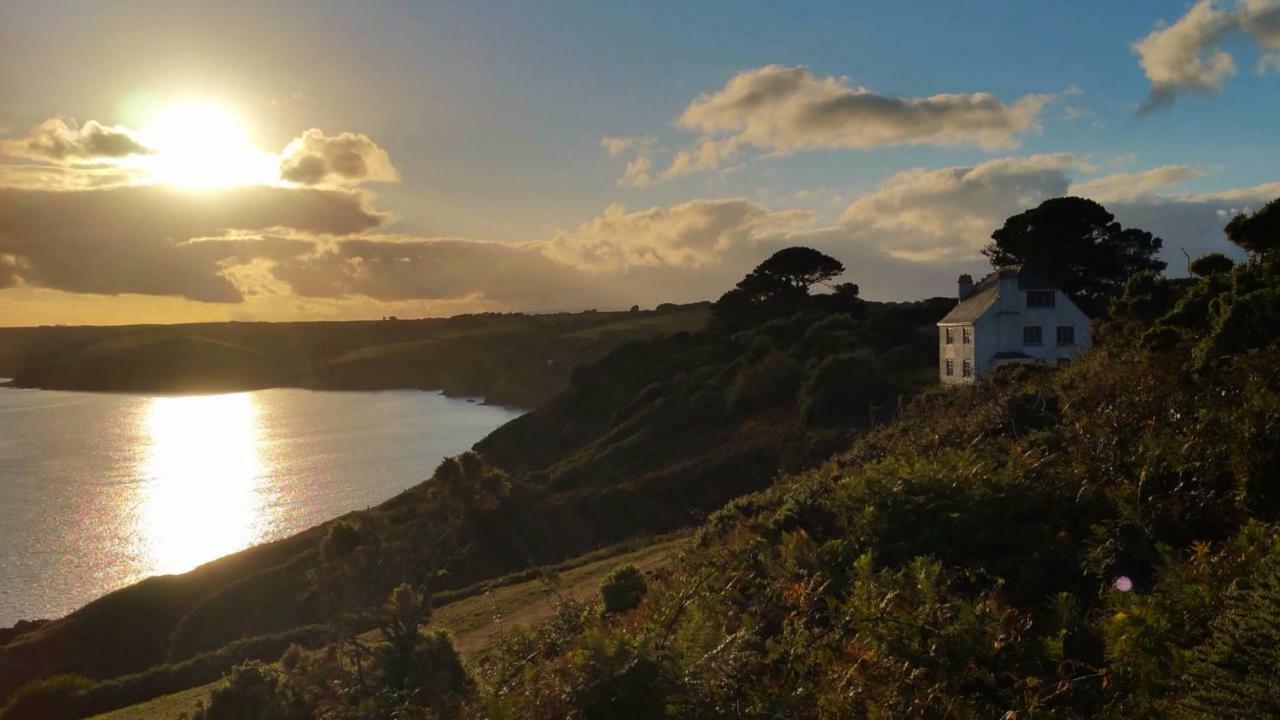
<point>515,359</point>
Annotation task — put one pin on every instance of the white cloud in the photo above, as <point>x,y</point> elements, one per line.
<point>786,109</point>
<point>779,110</point>
<point>690,235</point>
<point>949,213</point>
<point>1186,56</point>
<point>1124,186</point>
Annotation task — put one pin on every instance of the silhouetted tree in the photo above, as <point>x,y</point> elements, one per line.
<point>1211,264</point>
<point>1078,244</point>
<point>1258,233</point>
<point>791,270</point>
<point>778,286</point>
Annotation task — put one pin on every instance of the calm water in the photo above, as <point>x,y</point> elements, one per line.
<point>101,490</point>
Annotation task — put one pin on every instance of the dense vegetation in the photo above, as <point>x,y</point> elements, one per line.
<point>650,438</point>
<point>1098,540</point>
<point>514,359</point>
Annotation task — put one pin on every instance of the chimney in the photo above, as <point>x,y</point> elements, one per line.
<point>966,285</point>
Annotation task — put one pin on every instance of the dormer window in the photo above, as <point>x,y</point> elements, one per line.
<point>1040,298</point>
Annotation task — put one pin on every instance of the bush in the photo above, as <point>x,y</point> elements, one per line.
<point>52,698</point>
<point>253,692</point>
<point>623,589</point>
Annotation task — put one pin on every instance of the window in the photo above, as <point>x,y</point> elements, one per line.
<point>950,337</point>
<point>964,336</point>
<point>966,369</point>
<point>1033,335</point>
<point>951,367</point>
<point>1040,298</point>
<point>1066,335</point>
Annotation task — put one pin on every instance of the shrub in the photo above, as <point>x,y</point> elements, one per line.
<point>253,691</point>
<point>57,697</point>
<point>623,589</point>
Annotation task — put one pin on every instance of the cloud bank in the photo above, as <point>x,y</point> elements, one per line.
<point>153,240</point>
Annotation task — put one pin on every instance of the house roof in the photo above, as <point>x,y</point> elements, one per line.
<point>987,291</point>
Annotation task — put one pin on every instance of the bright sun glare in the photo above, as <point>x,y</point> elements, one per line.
<point>203,470</point>
<point>203,145</point>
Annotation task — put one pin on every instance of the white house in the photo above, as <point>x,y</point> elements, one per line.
<point>1012,316</point>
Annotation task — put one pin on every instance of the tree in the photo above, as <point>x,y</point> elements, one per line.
<point>776,287</point>
<point>1258,233</point>
<point>1078,245</point>
<point>791,270</point>
<point>1211,264</point>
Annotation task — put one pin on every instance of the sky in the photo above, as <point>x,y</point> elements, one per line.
<point>188,161</point>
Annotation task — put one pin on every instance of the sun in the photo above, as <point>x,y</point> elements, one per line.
<point>203,145</point>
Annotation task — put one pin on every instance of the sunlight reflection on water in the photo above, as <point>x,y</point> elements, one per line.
<point>101,490</point>
<point>202,473</point>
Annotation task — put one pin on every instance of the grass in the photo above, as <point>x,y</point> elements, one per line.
<point>477,621</point>
<point>670,322</point>
<point>165,707</point>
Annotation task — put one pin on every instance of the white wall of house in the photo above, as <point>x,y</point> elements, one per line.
<point>957,352</point>
<point>1001,329</point>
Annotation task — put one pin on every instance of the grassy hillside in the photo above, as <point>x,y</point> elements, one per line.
<point>1100,539</point>
<point>1096,540</point>
<point>650,438</point>
<point>477,621</point>
<point>514,359</point>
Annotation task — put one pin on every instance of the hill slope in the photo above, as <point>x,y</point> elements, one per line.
<point>650,438</point>
<point>1098,540</point>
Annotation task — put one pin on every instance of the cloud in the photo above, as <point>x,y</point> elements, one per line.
<point>943,217</point>
<point>782,110</point>
<point>1186,56</point>
<point>1126,186</point>
<point>345,159</point>
<point>691,234</point>
<point>154,240</point>
<point>60,139</point>
<point>949,213</point>
<point>617,145</point>
<point>1193,222</point>
<point>391,268</point>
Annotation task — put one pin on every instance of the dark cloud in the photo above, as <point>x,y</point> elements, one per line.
<point>61,139</point>
<point>348,158</point>
<point>153,240</point>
